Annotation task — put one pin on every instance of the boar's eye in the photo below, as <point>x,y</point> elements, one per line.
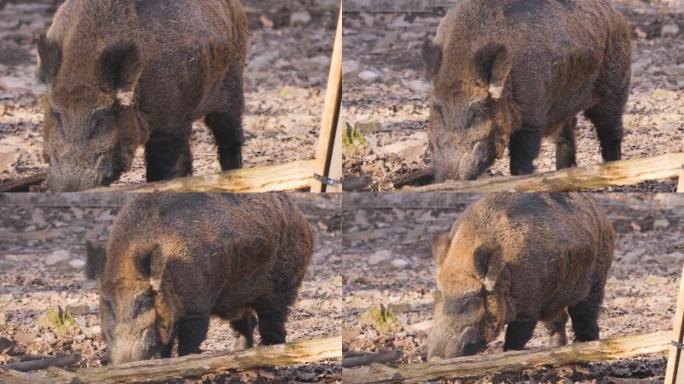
<point>142,303</point>
<point>108,305</point>
<point>464,304</point>
<point>99,123</point>
<point>439,108</point>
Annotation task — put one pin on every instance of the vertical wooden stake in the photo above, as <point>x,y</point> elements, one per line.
<point>331,115</point>
<point>675,372</point>
<point>680,189</point>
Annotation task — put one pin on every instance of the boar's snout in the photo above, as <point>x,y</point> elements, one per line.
<point>444,344</point>
<point>463,162</point>
<point>74,178</point>
<point>126,349</point>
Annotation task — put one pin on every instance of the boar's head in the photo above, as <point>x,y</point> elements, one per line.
<point>136,306</point>
<point>467,315</point>
<point>91,128</point>
<point>469,115</point>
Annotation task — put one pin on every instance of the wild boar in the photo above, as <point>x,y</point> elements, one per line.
<point>505,74</point>
<point>516,259</point>
<point>124,73</point>
<point>174,260</point>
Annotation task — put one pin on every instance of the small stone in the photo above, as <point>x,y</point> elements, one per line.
<point>300,18</point>
<point>56,257</point>
<point>369,76</point>
<point>350,66</point>
<point>400,263</point>
<point>669,30</point>
<point>379,256</point>
<point>661,224</point>
<point>418,86</point>
<point>77,263</point>
<point>38,218</point>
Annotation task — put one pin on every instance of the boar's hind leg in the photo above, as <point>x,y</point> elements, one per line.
<point>244,332</point>
<point>192,330</point>
<point>518,333</point>
<point>227,128</point>
<point>556,328</point>
<point>607,119</point>
<point>168,157</point>
<point>584,315</point>
<point>272,313</point>
<point>565,145</point>
<point>524,148</point>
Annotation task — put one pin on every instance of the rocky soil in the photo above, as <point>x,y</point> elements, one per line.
<point>386,92</point>
<point>387,262</point>
<point>290,44</point>
<point>42,256</point>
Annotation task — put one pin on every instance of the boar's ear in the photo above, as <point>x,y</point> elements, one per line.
<point>151,266</point>
<point>488,264</point>
<point>49,59</point>
<point>493,64</point>
<point>118,69</point>
<point>440,247</point>
<point>97,256</point>
<point>432,57</point>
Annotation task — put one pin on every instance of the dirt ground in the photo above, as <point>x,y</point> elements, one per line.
<point>290,45</point>
<point>386,92</point>
<point>387,261</point>
<point>42,256</point>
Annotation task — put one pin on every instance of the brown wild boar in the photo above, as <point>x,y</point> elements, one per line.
<point>516,259</point>
<point>506,73</point>
<point>126,73</point>
<point>174,260</point>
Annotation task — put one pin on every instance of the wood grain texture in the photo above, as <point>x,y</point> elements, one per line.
<point>618,173</point>
<point>481,365</point>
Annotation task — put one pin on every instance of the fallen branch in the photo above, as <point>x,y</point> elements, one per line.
<point>23,184</point>
<point>34,365</point>
<point>618,173</point>
<point>368,358</point>
<point>8,376</point>
<point>477,366</point>
<point>285,177</point>
<point>194,366</point>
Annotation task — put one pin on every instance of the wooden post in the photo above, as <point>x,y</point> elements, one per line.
<point>331,115</point>
<point>680,188</point>
<point>675,372</point>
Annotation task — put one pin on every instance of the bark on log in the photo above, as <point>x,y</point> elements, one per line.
<point>477,366</point>
<point>368,358</point>
<point>287,177</point>
<point>24,184</point>
<point>618,173</point>
<point>34,365</point>
<point>194,366</point>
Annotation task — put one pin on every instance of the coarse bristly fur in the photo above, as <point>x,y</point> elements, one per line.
<point>127,73</point>
<point>506,73</point>
<point>174,260</point>
<point>516,259</point>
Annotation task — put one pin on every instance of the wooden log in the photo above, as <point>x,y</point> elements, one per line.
<point>618,173</point>
<point>331,117</point>
<point>194,366</point>
<point>23,184</point>
<point>675,371</point>
<point>9,376</point>
<point>477,366</point>
<point>286,177</point>
<point>34,365</point>
<point>368,358</point>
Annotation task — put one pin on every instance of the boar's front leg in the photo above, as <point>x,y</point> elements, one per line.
<point>524,148</point>
<point>192,330</point>
<point>565,145</point>
<point>244,331</point>
<point>229,136</point>
<point>272,315</point>
<point>518,333</point>
<point>168,157</point>
<point>585,314</point>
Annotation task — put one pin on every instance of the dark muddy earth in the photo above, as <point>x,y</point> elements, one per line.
<point>388,262</point>
<point>42,257</point>
<point>286,75</point>
<point>386,92</point>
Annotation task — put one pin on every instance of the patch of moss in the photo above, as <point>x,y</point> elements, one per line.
<point>59,321</point>
<point>382,319</point>
<point>353,140</point>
